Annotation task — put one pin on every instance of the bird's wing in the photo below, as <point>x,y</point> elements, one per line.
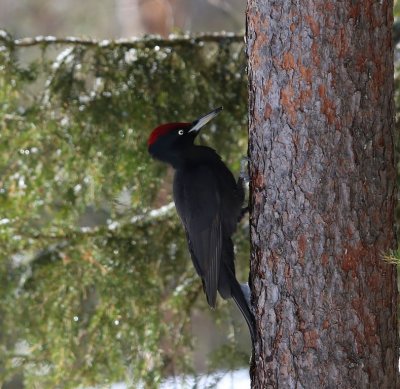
<point>198,203</point>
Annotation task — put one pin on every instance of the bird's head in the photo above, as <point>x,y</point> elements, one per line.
<point>168,141</point>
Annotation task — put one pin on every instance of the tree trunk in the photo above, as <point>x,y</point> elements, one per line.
<point>322,193</point>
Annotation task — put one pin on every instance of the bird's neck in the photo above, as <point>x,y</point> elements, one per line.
<point>172,156</point>
<point>181,158</point>
<point>193,156</point>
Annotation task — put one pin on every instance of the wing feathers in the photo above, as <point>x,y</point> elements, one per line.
<point>199,208</point>
<point>212,275</point>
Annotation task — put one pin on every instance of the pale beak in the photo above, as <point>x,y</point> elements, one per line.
<point>202,121</point>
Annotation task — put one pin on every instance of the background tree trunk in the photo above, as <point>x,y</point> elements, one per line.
<point>322,193</point>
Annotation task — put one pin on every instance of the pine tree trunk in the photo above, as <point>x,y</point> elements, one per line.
<point>322,193</point>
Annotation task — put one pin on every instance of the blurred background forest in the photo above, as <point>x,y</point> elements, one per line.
<point>96,284</point>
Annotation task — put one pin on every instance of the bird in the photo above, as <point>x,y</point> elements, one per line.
<point>208,201</point>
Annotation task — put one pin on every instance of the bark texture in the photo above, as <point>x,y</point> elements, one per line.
<point>322,193</point>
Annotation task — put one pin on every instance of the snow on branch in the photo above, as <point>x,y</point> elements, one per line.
<point>146,41</point>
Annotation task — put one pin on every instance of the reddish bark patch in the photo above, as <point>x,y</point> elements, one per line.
<point>306,73</point>
<point>324,259</point>
<point>314,26</point>
<point>341,43</point>
<point>258,23</point>
<point>288,104</point>
<point>258,259</point>
<point>354,11</point>
<point>360,62</point>
<point>328,6</point>
<point>310,339</point>
<point>315,54</point>
<point>288,61</point>
<point>349,261</point>
<point>370,12</point>
<point>378,79</point>
<point>375,281</point>
<point>259,180</point>
<point>381,141</point>
<point>288,278</point>
<point>258,185</point>
<point>273,261</point>
<point>333,72</point>
<point>321,90</point>
<point>369,321</point>
<point>267,87</point>
<point>327,107</point>
<point>353,255</point>
<point>305,97</point>
<point>267,111</point>
<point>325,324</point>
<point>302,245</point>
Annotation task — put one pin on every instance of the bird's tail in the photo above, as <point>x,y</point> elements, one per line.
<point>243,305</point>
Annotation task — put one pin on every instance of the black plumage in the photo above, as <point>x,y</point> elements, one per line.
<point>209,203</point>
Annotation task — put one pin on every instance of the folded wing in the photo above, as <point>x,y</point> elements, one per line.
<point>199,208</point>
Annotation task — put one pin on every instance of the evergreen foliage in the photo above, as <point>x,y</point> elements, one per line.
<point>96,281</point>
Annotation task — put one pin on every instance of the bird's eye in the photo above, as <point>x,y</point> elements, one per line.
<point>180,132</point>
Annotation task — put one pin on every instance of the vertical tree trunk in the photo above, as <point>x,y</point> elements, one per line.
<point>322,193</point>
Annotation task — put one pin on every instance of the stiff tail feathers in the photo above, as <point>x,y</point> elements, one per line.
<point>242,300</point>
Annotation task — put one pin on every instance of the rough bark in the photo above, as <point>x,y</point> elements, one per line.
<point>322,193</point>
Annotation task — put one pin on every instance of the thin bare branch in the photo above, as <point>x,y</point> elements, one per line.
<point>146,41</point>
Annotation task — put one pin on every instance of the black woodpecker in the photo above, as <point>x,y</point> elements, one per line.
<point>209,203</point>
